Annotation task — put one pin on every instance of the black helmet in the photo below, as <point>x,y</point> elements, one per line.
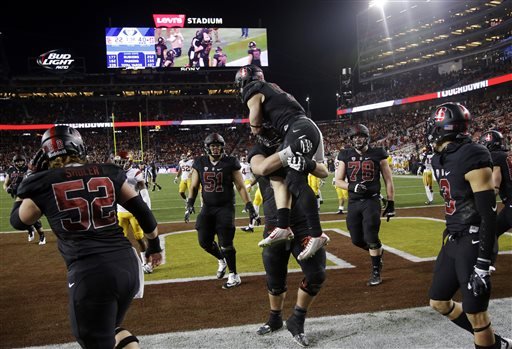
<point>247,74</point>
<point>161,40</point>
<point>360,130</point>
<point>252,44</point>
<point>213,138</point>
<point>18,158</point>
<point>448,122</point>
<point>493,140</point>
<point>63,140</point>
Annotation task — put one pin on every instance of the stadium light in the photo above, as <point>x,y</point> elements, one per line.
<point>378,3</point>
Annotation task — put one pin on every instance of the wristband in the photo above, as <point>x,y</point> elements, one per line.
<point>154,246</point>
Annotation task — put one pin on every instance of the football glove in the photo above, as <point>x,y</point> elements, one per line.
<point>389,210</point>
<point>188,211</point>
<point>480,280</point>
<point>301,146</point>
<point>301,164</point>
<point>39,162</point>
<point>254,217</point>
<point>358,188</point>
<point>9,190</point>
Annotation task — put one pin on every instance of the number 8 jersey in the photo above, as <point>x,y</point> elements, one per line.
<point>363,168</point>
<point>80,203</point>
<point>450,167</point>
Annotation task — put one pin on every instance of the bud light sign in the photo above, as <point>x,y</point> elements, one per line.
<point>56,60</point>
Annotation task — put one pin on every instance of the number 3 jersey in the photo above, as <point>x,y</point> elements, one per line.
<point>363,168</point>
<point>217,180</point>
<point>450,167</point>
<point>80,204</point>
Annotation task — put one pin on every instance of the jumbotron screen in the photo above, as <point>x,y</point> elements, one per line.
<point>196,48</point>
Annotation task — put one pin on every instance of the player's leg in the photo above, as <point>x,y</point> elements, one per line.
<point>371,227</point>
<point>427,183</point>
<point>225,228</point>
<point>275,261</point>
<point>183,189</point>
<point>38,226</point>
<point>124,221</point>
<point>314,277</point>
<point>138,234</point>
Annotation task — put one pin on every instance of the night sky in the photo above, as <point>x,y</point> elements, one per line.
<point>308,41</point>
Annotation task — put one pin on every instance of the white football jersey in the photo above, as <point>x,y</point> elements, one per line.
<point>246,171</point>
<point>133,176</point>
<point>186,168</point>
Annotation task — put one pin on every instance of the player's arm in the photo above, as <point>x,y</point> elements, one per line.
<point>320,170</point>
<point>481,181</point>
<point>496,178</point>
<point>388,179</point>
<point>133,202</point>
<point>255,104</point>
<point>194,186</point>
<point>240,186</point>
<point>24,214</point>
<point>7,182</point>
<point>339,176</point>
<point>263,166</point>
<point>178,174</point>
<point>143,190</point>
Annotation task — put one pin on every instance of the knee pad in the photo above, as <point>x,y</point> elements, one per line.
<point>375,245</point>
<point>312,288</point>
<point>228,249</point>
<point>129,338</point>
<point>277,291</point>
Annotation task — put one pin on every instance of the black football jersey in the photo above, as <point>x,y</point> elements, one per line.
<point>504,161</point>
<point>217,180</point>
<point>450,167</point>
<point>80,203</point>
<point>363,168</point>
<point>279,108</point>
<point>269,203</point>
<point>16,175</point>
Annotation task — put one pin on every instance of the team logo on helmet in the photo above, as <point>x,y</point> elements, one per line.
<point>440,114</point>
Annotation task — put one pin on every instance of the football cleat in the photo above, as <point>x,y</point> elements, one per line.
<point>42,240</point>
<point>233,281</point>
<point>269,328</point>
<point>428,202</point>
<point>30,236</point>
<point>296,328</point>
<point>339,212</point>
<point>312,245</point>
<point>248,229</point>
<point>221,270</point>
<point>275,236</point>
<point>375,278</point>
<point>147,268</point>
<point>505,343</point>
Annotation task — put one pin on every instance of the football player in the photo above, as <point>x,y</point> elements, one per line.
<point>160,51</point>
<point>341,194</point>
<point>184,171</point>
<point>426,169</point>
<point>276,256</point>
<point>363,165</point>
<point>275,116</point>
<point>219,58</point>
<point>80,202</point>
<point>463,171</point>
<point>254,54</point>
<point>135,178</point>
<point>14,177</point>
<point>501,175</point>
<point>216,172</point>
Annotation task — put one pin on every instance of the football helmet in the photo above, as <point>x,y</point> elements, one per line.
<point>448,122</point>
<point>123,159</point>
<point>493,140</point>
<point>360,130</point>
<point>243,158</point>
<point>247,74</point>
<point>63,140</point>
<point>19,160</point>
<point>214,138</point>
<point>183,157</point>
<point>252,44</point>
<point>161,40</point>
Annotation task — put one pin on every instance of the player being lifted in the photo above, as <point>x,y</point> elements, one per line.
<point>276,116</point>
<point>135,179</point>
